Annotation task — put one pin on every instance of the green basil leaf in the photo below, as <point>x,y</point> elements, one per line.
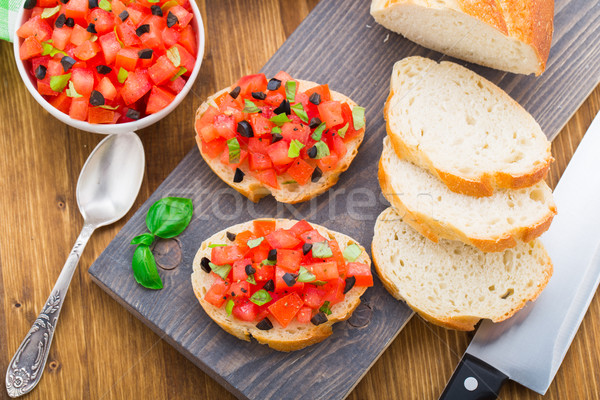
<point>169,217</point>
<point>58,83</point>
<point>229,306</point>
<point>108,107</point>
<point>305,275</point>
<point>358,117</point>
<point>318,131</point>
<point>325,308</point>
<point>210,246</point>
<point>261,297</point>
<point>122,75</point>
<point>234,150</point>
<point>352,252</point>
<point>250,107</point>
<point>144,238</point>
<point>290,90</point>
<point>93,38</point>
<point>251,279</point>
<point>174,56</point>
<point>343,130</point>
<point>319,283</point>
<point>295,147</point>
<point>321,250</point>
<point>153,1</point>
<point>221,270</point>
<point>298,109</point>
<point>50,12</point>
<point>144,268</point>
<point>168,5</point>
<point>105,5</point>
<point>290,182</point>
<point>279,120</point>
<point>322,150</point>
<point>71,92</point>
<point>276,129</point>
<point>48,49</point>
<point>117,36</point>
<point>268,262</point>
<point>255,242</point>
<point>182,70</point>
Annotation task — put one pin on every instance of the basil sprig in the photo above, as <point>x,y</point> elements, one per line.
<point>166,219</point>
<point>221,270</point>
<point>326,308</point>
<point>261,297</point>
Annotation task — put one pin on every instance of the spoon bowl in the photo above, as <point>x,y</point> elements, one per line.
<point>107,187</point>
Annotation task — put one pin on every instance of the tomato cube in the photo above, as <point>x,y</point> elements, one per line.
<point>136,85</point>
<point>170,36</point>
<point>136,12</point>
<point>86,50</point>
<point>106,87</point>
<point>183,16</point>
<point>110,47</point>
<point>126,58</point>
<point>313,297</point>
<point>258,145</point>
<point>252,83</point>
<point>321,90</point>
<point>239,289</point>
<point>162,70</point>
<point>300,227</point>
<point>338,257</point>
<point>325,271</point>
<point>207,118</point>
<point>339,147</point>
<point>301,171</point>
<point>77,9</point>
<point>281,239</point>
<point>30,48</point>
<point>263,272</point>
<point>214,148</point>
<point>222,255</point>
<point>331,113</point>
<point>98,115</point>
<point>263,227</point>
<point>83,81</point>
<point>43,86</point>
<point>126,32</point>
<point>304,315</point>
<point>334,291</point>
<point>312,237</point>
<point>278,152</point>
<point>79,35</point>
<point>283,76</point>
<point>209,133</point>
<point>177,85</point>
<point>239,270</point>
<point>187,60</point>
<point>103,21</point>
<point>158,100</point>
<point>328,163</point>
<point>260,125</point>
<point>36,27</point>
<point>281,285</point>
<point>268,177</point>
<point>79,108</point>
<point>61,36</point>
<point>295,131</point>
<point>217,294</point>
<point>62,102</point>
<point>225,126</point>
<point>362,273</point>
<point>259,162</point>
<point>289,260</point>
<point>245,310</point>
<point>187,39</point>
<point>285,309</point>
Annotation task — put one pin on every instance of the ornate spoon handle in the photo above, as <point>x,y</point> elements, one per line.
<point>26,367</point>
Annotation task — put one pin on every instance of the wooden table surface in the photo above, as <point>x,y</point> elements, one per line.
<point>102,351</point>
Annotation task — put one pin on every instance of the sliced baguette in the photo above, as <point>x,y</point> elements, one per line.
<point>507,35</point>
<point>492,223</point>
<point>254,190</point>
<point>452,284</point>
<point>463,129</point>
<point>296,335</point>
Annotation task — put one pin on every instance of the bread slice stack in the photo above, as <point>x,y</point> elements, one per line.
<point>463,165</point>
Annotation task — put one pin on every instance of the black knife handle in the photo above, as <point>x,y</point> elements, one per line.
<point>474,379</point>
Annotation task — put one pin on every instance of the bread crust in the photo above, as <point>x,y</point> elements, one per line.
<point>485,184</point>
<point>253,189</point>
<point>529,22</point>
<point>434,230</point>
<point>462,322</point>
<point>278,338</point>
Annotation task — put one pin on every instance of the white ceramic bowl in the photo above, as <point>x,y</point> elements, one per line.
<point>111,128</point>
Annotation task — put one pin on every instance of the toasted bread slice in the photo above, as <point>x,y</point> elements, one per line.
<point>291,193</point>
<point>492,223</point>
<point>463,129</point>
<point>506,35</point>
<point>452,284</point>
<point>296,335</point>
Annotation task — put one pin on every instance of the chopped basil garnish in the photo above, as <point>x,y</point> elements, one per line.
<point>108,107</point>
<point>229,306</point>
<point>279,120</point>
<point>117,36</point>
<point>358,116</point>
<point>322,150</point>
<point>213,245</point>
<point>298,109</point>
<point>276,130</point>
<point>290,90</point>
<point>305,275</point>
<point>105,5</point>
<point>153,1</point>
<point>234,150</point>
<point>122,75</point>
<point>182,70</point>
<point>325,308</point>
<point>352,252</point>
<point>261,297</point>
<point>255,242</point>
<point>343,130</point>
<point>268,262</point>
<point>290,182</point>
<point>319,283</point>
<point>251,279</point>
<point>173,55</point>
<point>59,82</point>
<point>250,107</point>
<point>321,250</point>
<point>49,50</point>
<point>221,270</point>
<point>50,12</point>
<point>71,92</point>
<point>169,4</point>
<point>295,147</point>
<point>318,132</point>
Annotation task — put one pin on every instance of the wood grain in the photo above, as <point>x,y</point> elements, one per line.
<point>100,349</point>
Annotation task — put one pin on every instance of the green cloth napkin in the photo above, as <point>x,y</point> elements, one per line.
<point>8,18</point>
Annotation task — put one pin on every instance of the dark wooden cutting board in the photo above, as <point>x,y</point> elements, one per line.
<point>338,43</point>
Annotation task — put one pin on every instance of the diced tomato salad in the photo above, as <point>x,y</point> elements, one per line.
<point>109,61</point>
<point>271,129</point>
<point>272,276</point>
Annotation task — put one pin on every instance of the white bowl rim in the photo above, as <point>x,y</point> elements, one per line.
<point>108,129</point>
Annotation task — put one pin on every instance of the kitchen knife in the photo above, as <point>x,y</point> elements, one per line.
<point>529,347</point>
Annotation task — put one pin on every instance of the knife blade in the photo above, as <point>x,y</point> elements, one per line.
<point>529,347</point>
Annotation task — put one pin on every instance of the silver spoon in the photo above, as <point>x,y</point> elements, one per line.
<point>107,187</point>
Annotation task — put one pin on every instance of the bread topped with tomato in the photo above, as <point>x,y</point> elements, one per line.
<point>280,281</point>
<point>286,137</point>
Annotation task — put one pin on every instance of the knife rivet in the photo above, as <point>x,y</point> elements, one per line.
<point>471,384</point>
